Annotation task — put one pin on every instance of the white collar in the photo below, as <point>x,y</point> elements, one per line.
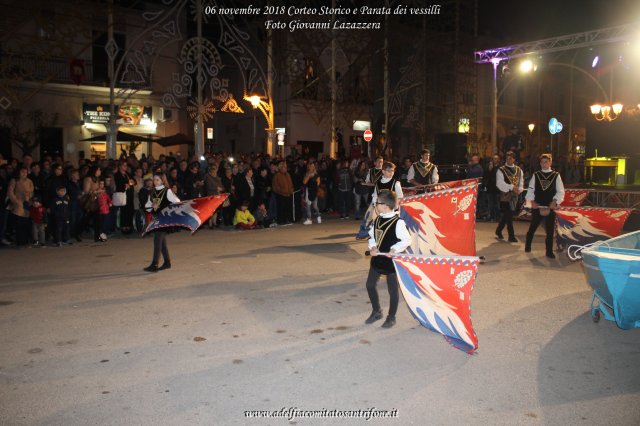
<point>158,188</point>
<point>546,170</point>
<point>387,215</point>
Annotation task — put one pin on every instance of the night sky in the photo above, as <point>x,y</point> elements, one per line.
<point>520,21</point>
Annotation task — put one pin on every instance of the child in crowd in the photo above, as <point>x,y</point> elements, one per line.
<point>38,215</point>
<point>104,203</point>
<point>243,219</point>
<point>262,216</point>
<point>61,213</point>
<point>388,235</point>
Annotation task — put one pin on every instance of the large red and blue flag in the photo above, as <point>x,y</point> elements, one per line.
<point>187,214</point>
<point>438,290</point>
<point>586,225</point>
<point>442,223</point>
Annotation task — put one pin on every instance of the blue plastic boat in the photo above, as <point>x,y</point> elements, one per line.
<point>612,268</point>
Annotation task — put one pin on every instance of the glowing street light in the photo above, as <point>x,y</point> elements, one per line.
<point>606,112</point>
<point>255,100</point>
<point>526,66</point>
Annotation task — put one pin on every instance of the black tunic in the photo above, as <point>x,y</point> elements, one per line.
<point>389,185</point>
<point>545,187</point>
<point>423,173</point>
<point>384,232</point>
<point>161,195</point>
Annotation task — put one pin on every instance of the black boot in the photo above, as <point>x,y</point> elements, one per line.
<point>375,316</point>
<point>152,268</point>
<point>165,265</point>
<point>499,235</point>
<point>389,322</point>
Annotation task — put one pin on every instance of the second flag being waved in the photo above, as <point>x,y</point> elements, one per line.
<point>442,222</point>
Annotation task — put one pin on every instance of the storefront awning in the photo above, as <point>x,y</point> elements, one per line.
<point>121,137</point>
<point>177,139</point>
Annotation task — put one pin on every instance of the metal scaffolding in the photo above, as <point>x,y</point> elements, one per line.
<point>559,44</point>
<point>550,45</point>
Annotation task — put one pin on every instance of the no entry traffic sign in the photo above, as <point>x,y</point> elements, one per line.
<point>368,135</point>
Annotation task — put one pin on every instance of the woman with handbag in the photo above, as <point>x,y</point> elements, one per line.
<point>123,196</point>
<point>89,202</point>
<point>311,182</point>
<point>159,198</point>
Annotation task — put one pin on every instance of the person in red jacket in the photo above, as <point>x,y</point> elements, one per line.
<point>104,207</point>
<point>38,215</point>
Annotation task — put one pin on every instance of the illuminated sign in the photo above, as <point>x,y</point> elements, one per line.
<point>361,125</point>
<point>128,115</point>
<point>463,125</point>
<point>554,126</point>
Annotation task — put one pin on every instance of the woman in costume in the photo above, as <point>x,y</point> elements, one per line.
<point>159,198</point>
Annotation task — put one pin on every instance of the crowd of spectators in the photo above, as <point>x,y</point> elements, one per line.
<point>54,201</point>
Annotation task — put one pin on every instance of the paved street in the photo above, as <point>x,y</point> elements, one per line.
<point>274,318</point>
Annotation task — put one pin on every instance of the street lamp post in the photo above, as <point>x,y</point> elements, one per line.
<point>112,51</point>
<point>266,108</point>
<point>253,141</point>
<point>494,112</point>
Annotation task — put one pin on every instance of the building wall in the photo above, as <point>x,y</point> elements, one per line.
<point>45,84</point>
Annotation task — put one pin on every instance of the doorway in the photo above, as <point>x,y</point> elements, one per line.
<point>51,142</point>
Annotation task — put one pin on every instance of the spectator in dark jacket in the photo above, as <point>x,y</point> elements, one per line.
<point>193,182</point>
<point>475,169</point>
<point>61,213</point>
<point>245,188</point>
<point>263,185</point>
<point>493,194</point>
<point>56,180</point>
<point>74,191</point>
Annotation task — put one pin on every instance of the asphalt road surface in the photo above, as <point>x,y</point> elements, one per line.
<point>256,322</point>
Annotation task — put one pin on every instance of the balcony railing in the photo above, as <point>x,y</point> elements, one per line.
<point>53,69</point>
<point>37,68</point>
